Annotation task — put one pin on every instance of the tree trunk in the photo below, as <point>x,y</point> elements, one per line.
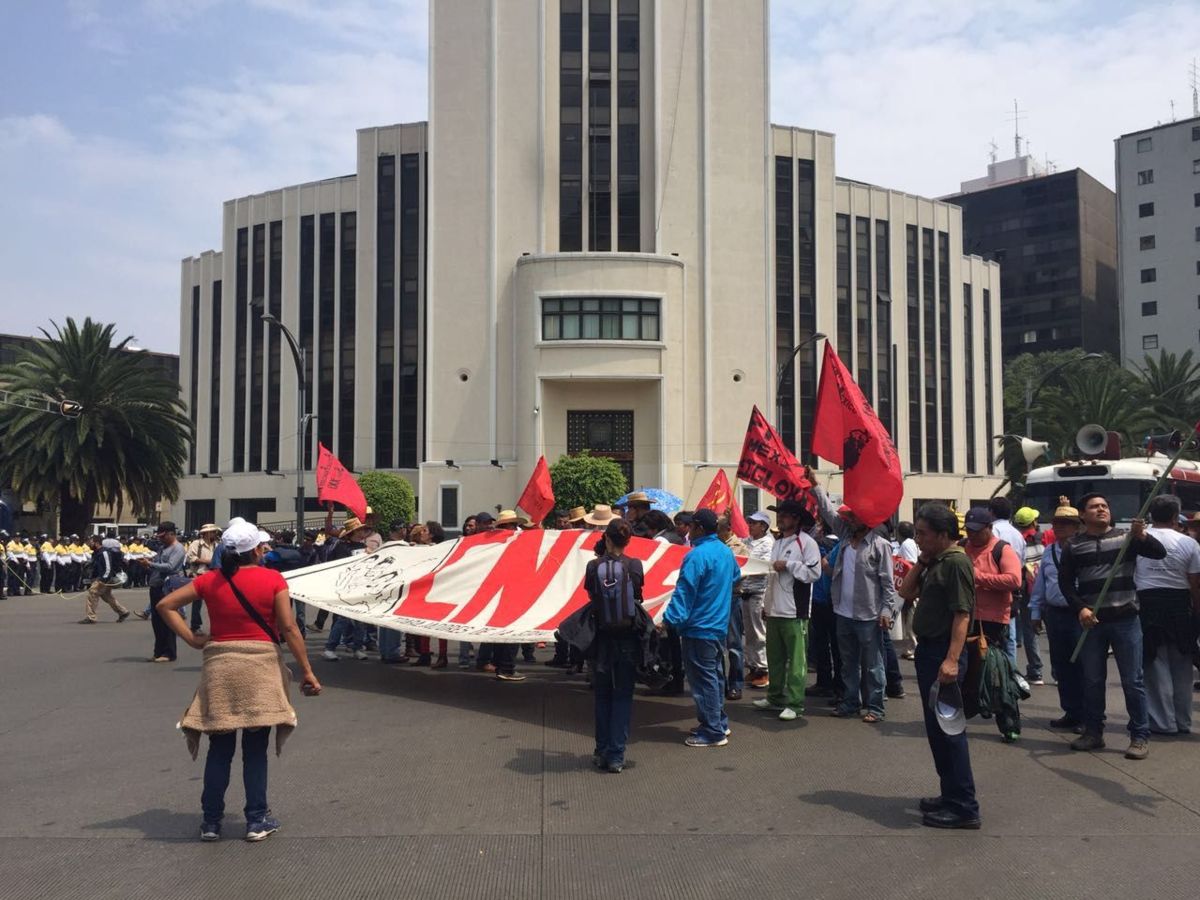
<point>75,515</point>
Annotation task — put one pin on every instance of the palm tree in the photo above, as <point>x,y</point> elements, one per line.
<point>1173,383</point>
<point>130,441</point>
<point>1106,395</point>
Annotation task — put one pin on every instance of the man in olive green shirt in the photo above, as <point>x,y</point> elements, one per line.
<point>944,580</point>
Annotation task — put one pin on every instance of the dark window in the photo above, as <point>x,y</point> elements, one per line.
<point>1149,341</point>
<point>968,375</point>
<point>1196,132</point>
<point>987,379</point>
<point>863,306</point>
<point>845,313</point>
<point>198,513</point>
<point>1145,144</point>
<point>411,293</point>
<point>1146,242</point>
<point>629,161</point>
<point>1146,176</point>
<point>1197,236</point>
<point>274,344</point>
<point>883,325</point>
<point>1150,308</point>
<point>258,279</point>
<point>1196,166</point>
<point>385,312</point>
<point>1145,210</point>
<point>806,299</point>
<point>347,315</point>
<point>570,128</point>
<point>240,312</point>
<point>327,319</point>
<point>947,392</point>
<point>599,125</point>
<point>1149,275</point>
<point>785,326</point>
<point>194,377</point>
<point>449,506</point>
<point>912,286</point>
<point>307,317</point>
<point>251,508</point>
<point>929,305</point>
<point>214,403</point>
<point>1196,199</point>
<point>600,319</point>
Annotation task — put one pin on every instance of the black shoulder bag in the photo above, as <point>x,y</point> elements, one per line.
<point>251,611</point>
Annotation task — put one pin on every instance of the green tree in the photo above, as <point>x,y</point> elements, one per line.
<point>1173,385</point>
<point>390,496</point>
<point>130,440</point>
<point>586,480</point>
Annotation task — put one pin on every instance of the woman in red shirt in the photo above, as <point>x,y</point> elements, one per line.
<point>244,682</point>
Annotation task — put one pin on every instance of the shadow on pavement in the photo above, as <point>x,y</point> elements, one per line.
<point>886,811</point>
<point>159,824</point>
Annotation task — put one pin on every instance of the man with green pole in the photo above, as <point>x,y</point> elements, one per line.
<point>1097,580</point>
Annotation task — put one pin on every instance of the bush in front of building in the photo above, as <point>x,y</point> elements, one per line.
<point>586,480</point>
<point>390,496</point>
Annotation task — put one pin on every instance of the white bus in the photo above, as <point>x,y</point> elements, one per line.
<point>1125,482</point>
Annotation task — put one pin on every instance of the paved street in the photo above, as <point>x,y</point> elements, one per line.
<point>412,783</point>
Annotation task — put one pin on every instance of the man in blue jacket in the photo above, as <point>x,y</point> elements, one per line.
<point>699,611</point>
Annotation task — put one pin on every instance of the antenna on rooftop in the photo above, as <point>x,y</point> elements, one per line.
<point>1195,82</point>
<point>993,150</point>
<point>1017,116</point>
<point>1051,165</point>
<point>1172,110</point>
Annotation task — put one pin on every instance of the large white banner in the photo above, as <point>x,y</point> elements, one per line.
<point>500,586</point>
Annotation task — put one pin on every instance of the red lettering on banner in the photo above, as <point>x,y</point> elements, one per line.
<point>665,566</point>
<point>518,577</point>
<point>416,603</point>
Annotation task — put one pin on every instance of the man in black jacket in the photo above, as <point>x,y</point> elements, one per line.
<point>1087,561</point>
<point>108,570</point>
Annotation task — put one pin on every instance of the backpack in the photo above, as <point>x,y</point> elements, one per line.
<point>615,605</point>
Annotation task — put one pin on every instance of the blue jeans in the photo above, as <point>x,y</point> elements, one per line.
<point>613,677</point>
<point>1029,640</point>
<point>1062,633</point>
<point>891,663</point>
<point>254,773</point>
<point>735,645</point>
<point>951,756</point>
<point>861,647</point>
<point>390,642</point>
<point>342,627</point>
<point>702,658</point>
<point>1125,638</point>
<point>1010,640</point>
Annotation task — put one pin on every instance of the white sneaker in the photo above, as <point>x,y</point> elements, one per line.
<point>360,654</point>
<point>787,714</point>
<point>330,655</point>
<point>764,703</point>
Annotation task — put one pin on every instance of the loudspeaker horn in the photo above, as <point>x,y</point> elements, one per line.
<point>1033,450</point>
<point>1163,443</point>
<point>1091,440</point>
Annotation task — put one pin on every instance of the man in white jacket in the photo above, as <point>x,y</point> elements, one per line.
<point>753,592</point>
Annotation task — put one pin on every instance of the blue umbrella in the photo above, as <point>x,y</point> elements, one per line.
<point>664,501</point>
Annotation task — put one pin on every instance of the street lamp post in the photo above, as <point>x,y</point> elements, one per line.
<point>299,357</point>
<point>1031,392</point>
<point>783,370</point>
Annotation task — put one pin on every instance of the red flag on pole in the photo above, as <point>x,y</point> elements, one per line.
<point>846,431</point>
<point>538,497</point>
<point>336,484</point>
<point>768,463</point>
<point>719,498</point>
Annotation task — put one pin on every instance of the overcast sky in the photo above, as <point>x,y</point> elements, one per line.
<point>124,124</point>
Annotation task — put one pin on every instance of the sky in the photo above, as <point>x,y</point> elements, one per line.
<point>124,124</point>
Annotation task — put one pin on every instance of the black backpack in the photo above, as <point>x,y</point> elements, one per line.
<point>615,604</point>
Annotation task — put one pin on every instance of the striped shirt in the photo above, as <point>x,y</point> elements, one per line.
<point>1086,562</point>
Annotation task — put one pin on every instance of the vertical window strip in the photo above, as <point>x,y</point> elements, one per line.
<point>240,312</point>
<point>845,315</point>
<point>784,299</point>
<point>194,378</point>
<point>385,311</point>
<point>570,127</point>
<point>929,309</point>
<point>214,403</point>
<point>863,306</point>
<point>258,271</point>
<point>806,300</point>
<point>347,318</point>
<point>987,379</point>
<point>629,160</point>
<point>883,325</point>
<point>327,301</point>
<point>947,393</point>
<point>307,317</point>
<point>274,343</point>
<point>969,370</point>
<point>599,78</point>
<point>410,309</point>
<point>912,288</point>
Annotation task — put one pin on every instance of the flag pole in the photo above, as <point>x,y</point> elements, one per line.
<point>1154,491</point>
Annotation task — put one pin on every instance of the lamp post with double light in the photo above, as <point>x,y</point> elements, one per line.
<point>299,357</point>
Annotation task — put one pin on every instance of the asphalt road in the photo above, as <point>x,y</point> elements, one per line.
<point>413,783</point>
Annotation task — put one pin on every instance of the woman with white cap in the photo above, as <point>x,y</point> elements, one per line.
<point>244,682</point>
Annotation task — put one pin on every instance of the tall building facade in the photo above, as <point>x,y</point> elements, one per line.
<point>1055,237</point>
<point>1158,215</point>
<point>620,252</point>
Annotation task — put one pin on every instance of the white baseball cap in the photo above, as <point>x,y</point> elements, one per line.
<point>241,536</point>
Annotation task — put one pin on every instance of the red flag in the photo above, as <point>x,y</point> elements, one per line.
<point>538,497</point>
<point>846,431</point>
<point>719,498</point>
<point>335,483</point>
<point>768,463</point>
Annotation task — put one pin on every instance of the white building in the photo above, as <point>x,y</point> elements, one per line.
<point>1158,235</point>
<point>620,249</point>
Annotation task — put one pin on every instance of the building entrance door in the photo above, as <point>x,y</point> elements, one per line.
<point>603,433</point>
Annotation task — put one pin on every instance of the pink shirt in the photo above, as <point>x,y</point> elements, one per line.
<point>994,585</point>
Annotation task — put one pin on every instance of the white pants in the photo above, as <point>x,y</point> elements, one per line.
<point>754,632</point>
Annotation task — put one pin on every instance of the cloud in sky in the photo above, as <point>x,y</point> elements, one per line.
<point>126,123</point>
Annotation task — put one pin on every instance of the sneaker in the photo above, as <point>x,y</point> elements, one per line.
<point>1039,681</point>
<point>787,714</point>
<point>615,768</point>
<point>695,731</point>
<point>1065,722</point>
<point>162,659</point>
<point>257,831</point>
<point>896,694</point>
<point>86,622</point>
<point>758,682</point>
<point>360,654</point>
<point>330,655</point>
<point>696,741</point>
<point>764,703</point>
<point>210,831</point>
<point>509,676</point>
<point>733,694</point>
<point>121,617</point>
<point>1088,742</point>
<point>1139,748</point>
<point>141,615</point>
<point>1010,737</point>
<point>317,628</point>
<point>599,762</point>
<point>931,804</point>
<point>944,818</point>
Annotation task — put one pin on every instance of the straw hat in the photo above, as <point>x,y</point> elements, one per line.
<point>1065,511</point>
<point>638,497</point>
<point>600,515</point>
<point>350,526</point>
<point>507,517</point>
<point>207,529</point>
<point>577,514</point>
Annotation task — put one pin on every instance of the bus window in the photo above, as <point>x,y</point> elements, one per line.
<point>1188,494</point>
<point>1125,496</point>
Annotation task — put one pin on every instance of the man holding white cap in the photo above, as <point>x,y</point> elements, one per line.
<point>751,590</point>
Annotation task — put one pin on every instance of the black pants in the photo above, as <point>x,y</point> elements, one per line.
<point>951,756</point>
<point>197,621</point>
<point>165,640</point>
<point>823,648</point>
<point>671,650</point>
<point>47,573</point>
<point>504,657</point>
<point>322,615</point>
<point>891,665</point>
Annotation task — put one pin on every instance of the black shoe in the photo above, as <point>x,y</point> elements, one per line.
<point>529,657</point>
<point>1065,722</point>
<point>615,768</point>
<point>931,804</point>
<point>599,762</point>
<point>820,690</point>
<point>733,695</point>
<point>897,694</point>
<point>557,664</point>
<point>944,818</point>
